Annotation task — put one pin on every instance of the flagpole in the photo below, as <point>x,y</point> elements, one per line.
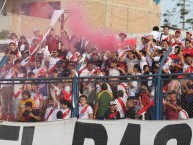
<point>3,6</point>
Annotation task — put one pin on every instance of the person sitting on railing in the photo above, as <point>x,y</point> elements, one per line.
<point>85,110</point>
<point>112,112</point>
<point>26,97</point>
<point>30,114</point>
<point>37,97</point>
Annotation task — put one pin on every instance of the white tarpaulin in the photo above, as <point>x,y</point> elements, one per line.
<point>92,132</point>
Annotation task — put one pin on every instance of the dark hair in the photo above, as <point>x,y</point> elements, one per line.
<point>59,115</point>
<point>23,37</point>
<point>26,92</point>
<point>166,27</point>
<point>155,28</point>
<point>89,63</point>
<point>143,52</point>
<point>163,49</point>
<point>165,41</point>
<point>13,52</point>
<point>137,66</point>
<point>120,93</point>
<point>28,104</point>
<point>38,60</point>
<point>145,66</point>
<point>179,103</point>
<point>17,61</point>
<point>83,96</point>
<point>128,99</point>
<point>65,102</point>
<point>30,74</point>
<point>104,86</point>
<point>55,71</point>
<point>188,40</point>
<point>12,43</point>
<point>177,47</point>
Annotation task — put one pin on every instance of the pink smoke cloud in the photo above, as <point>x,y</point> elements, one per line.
<point>104,39</point>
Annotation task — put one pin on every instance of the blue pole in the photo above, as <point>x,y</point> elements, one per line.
<point>3,61</point>
<point>158,101</point>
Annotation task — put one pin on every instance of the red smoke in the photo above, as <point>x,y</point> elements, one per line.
<point>102,38</point>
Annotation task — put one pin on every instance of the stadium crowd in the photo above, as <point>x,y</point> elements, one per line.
<point>127,97</point>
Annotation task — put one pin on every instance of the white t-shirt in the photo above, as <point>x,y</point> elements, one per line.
<point>52,116</point>
<point>114,72</point>
<point>119,107</point>
<point>85,114</point>
<point>37,97</point>
<point>143,62</point>
<point>64,111</point>
<point>72,57</point>
<point>53,61</point>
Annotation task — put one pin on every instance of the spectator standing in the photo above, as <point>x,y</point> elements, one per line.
<point>102,102</point>
<point>52,41</point>
<point>130,112</point>
<point>85,110</point>
<point>121,103</point>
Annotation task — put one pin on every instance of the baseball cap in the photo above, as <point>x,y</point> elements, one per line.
<point>112,103</point>
<point>189,31</point>
<point>35,30</point>
<point>122,33</point>
<point>145,36</point>
<point>179,31</point>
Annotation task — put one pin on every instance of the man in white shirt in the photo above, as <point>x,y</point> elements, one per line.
<point>165,35</point>
<point>121,103</point>
<point>85,110</point>
<point>73,54</point>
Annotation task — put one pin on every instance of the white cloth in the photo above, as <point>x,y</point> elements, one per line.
<point>85,115</point>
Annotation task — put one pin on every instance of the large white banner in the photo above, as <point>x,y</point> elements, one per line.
<point>92,132</point>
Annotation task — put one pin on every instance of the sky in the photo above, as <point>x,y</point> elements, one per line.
<point>169,4</point>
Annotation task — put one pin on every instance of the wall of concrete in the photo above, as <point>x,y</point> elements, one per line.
<point>131,16</point>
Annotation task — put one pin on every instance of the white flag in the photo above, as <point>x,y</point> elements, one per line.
<point>56,15</point>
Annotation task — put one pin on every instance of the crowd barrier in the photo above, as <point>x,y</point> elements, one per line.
<point>92,132</point>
